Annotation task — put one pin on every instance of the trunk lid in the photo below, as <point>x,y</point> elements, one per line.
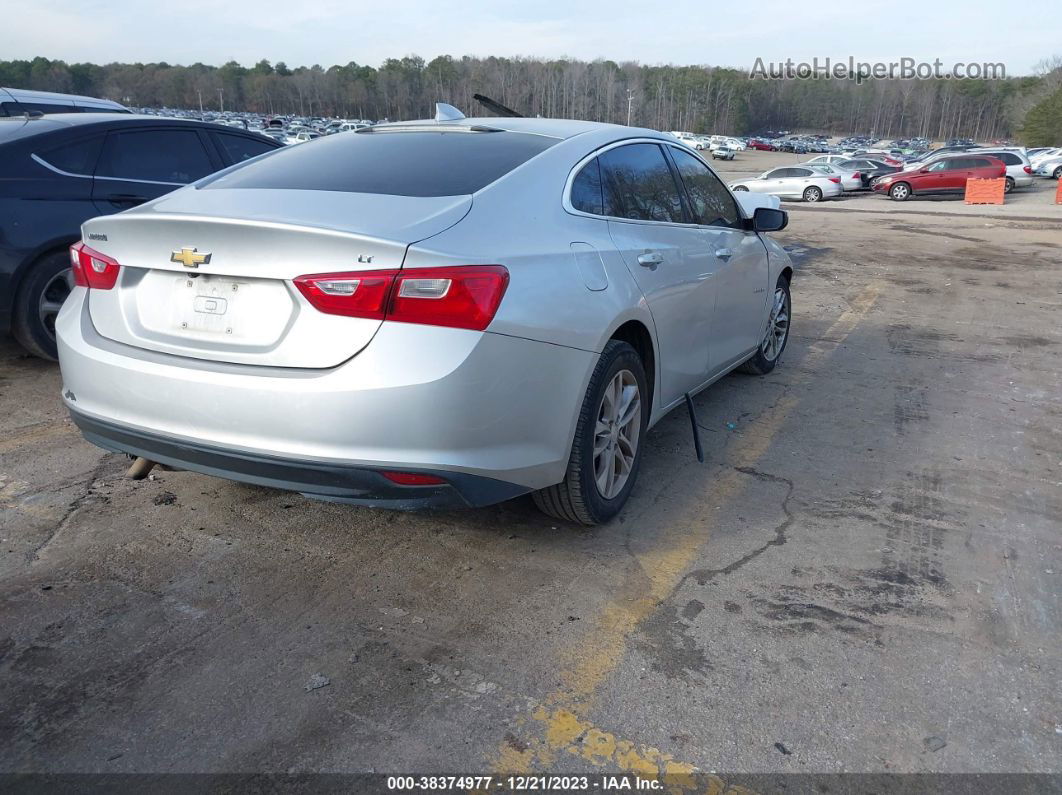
<point>239,305</point>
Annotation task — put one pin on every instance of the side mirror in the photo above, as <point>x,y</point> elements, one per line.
<point>767,219</point>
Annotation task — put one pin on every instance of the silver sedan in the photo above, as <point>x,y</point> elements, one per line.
<point>428,313</point>
<point>806,183</point>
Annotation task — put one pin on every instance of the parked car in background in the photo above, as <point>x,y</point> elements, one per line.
<point>763,146</point>
<point>692,141</point>
<point>1050,167</point>
<point>885,157</point>
<point>723,153</point>
<point>868,169</point>
<point>58,171</point>
<point>933,154</point>
<point>946,175</point>
<point>793,182</point>
<point>303,136</point>
<point>357,296</point>
<point>850,179</point>
<point>19,102</point>
<point>825,160</point>
<point>1019,170</point>
<point>1036,156</point>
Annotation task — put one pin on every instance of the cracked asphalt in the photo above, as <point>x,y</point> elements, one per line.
<point>863,576</point>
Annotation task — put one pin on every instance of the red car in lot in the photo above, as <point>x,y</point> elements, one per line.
<point>761,145</point>
<point>947,175</point>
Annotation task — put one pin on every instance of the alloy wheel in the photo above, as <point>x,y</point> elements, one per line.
<point>619,423</point>
<point>53,295</point>
<point>777,326</point>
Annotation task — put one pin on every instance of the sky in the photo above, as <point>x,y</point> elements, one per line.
<point>326,32</point>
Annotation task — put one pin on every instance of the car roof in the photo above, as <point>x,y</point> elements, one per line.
<point>54,121</point>
<point>555,128</point>
<point>31,95</point>
<point>16,127</point>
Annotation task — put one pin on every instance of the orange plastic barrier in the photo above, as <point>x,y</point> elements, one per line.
<point>985,191</point>
<point>1058,193</point>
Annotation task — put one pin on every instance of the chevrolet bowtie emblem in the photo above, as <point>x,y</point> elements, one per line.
<point>190,257</point>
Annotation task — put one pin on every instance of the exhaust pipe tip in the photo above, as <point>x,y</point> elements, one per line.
<point>139,469</point>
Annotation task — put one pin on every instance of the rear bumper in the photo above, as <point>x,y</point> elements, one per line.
<point>320,479</point>
<point>448,402</point>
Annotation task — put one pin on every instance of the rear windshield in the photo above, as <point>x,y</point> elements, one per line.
<point>396,163</point>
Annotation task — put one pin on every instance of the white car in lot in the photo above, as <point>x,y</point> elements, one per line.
<point>850,178</point>
<point>803,183</point>
<point>1041,155</point>
<point>1050,168</point>
<point>434,313</point>
<point>691,140</point>
<point>827,160</point>
<point>303,136</point>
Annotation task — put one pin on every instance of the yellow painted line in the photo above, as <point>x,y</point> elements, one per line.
<point>555,736</point>
<point>584,667</point>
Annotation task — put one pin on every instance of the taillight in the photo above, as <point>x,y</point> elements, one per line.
<point>1027,169</point>
<point>856,175</point>
<point>92,269</point>
<point>835,179</point>
<point>465,296</point>
<point>462,296</point>
<point>355,294</point>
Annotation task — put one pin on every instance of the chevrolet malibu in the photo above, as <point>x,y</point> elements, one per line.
<point>425,313</point>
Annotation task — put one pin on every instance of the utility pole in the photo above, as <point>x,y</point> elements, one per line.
<point>200,93</point>
<point>221,94</point>
<point>630,102</point>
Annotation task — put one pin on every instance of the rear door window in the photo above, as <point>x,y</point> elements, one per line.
<point>174,157</point>
<point>77,157</point>
<point>710,201</point>
<point>238,148</point>
<point>639,184</point>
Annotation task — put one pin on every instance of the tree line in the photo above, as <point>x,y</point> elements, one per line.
<point>695,98</point>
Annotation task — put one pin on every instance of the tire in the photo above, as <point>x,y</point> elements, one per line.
<point>579,497</point>
<point>776,334</point>
<point>1057,173</point>
<point>900,192</point>
<point>740,187</point>
<point>1008,186</point>
<point>40,295</point>
<point>813,194</point>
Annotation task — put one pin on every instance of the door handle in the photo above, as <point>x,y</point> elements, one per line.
<point>724,253</point>
<point>650,258</point>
